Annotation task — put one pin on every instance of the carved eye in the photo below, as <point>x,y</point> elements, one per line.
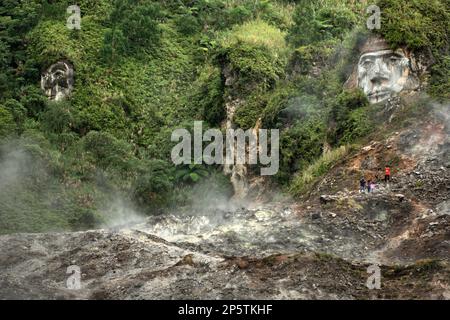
<point>367,63</point>
<point>394,59</point>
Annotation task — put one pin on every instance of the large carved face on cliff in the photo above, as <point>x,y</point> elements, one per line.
<point>382,73</point>
<point>57,81</point>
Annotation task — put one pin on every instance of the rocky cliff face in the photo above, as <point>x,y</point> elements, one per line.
<point>237,172</point>
<point>383,73</point>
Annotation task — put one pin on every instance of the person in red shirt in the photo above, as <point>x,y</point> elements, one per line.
<point>387,174</point>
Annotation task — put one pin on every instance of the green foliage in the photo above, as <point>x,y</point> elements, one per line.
<point>7,124</point>
<point>107,151</point>
<point>187,24</point>
<point>255,54</point>
<point>246,116</point>
<point>139,23</point>
<point>134,26</point>
<point>209,95</point>
<point>33,100</point>
<point>18,112</point>
<point>114,45</point>
<point>152,184</point>
<point>256,50</point>
<point>144,68</point>
<point>57,117</point>
<point>50,41</point>
<point>16,19</point>
<point>440,80</point>
<point>191,173</point>
<point>277,101</point>
<point>217,15</point>
<point>303,181</point>
<point>304,57</point>
<point>31,197</point>
<point>357,125</point>
<point>300,145</point>
<point>415,24</point>
<point>348,118</point>
<point>421,25</point>
<point>315,22</point>
<point>254,64</point>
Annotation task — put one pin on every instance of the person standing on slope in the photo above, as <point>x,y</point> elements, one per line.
<point>387,174</point>
<point>362,185</point>
<point>372,186</point>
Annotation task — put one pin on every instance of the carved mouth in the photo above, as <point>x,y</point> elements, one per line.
<point>378,94</point>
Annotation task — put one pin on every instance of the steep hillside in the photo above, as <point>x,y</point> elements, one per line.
<point>105,149</point>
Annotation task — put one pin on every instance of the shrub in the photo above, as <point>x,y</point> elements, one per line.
<point>187,24</point>
<point>107,151</point>
<point>299,146</point>
<point>7,124</point>
<point>421,25</point>
<point>17,110</point>
<point>345,120</point>
<point>305,179</point>
<point>57,118</point>
<point>257,52</point>
<point>134,26</point>
<point>356,126</point>
<point>33,100</point>
<point>152,184</point>
<point>278,100</point>
<point>440,80</point>
<point>114,45</point>
<point>415,24</point>
<point>315,22</point>
<point>191,173</point>
<point>304,57</point>
<point>209,96</point>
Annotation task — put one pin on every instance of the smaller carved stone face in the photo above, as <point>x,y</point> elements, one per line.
<point>382,73</point>
<point>57,81</point>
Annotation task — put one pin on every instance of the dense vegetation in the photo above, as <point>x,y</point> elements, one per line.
<point>144,68</point>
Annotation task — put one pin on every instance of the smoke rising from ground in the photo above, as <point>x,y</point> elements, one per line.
<point>13,163</point>
<point>35,196</point>
<point>120,212</point>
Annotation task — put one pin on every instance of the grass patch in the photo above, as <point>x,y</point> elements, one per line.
<point>304,180</point>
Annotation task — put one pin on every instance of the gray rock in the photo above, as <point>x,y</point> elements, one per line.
<point>57,81</point>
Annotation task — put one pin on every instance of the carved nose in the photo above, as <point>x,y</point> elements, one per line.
<point>378,73</point>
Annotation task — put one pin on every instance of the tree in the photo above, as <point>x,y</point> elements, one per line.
<point>315,22</point>
<point>134,26</point>
<point>152,183</point>
<point>141,26</point>
<point>114,45</point>
<point>346,120</point>
<point>7,125</point>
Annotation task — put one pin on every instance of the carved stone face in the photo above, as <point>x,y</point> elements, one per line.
<point>57,81</point>
<point>382,73</point>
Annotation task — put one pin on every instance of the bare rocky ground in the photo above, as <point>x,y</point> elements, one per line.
<point>318,249</point>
